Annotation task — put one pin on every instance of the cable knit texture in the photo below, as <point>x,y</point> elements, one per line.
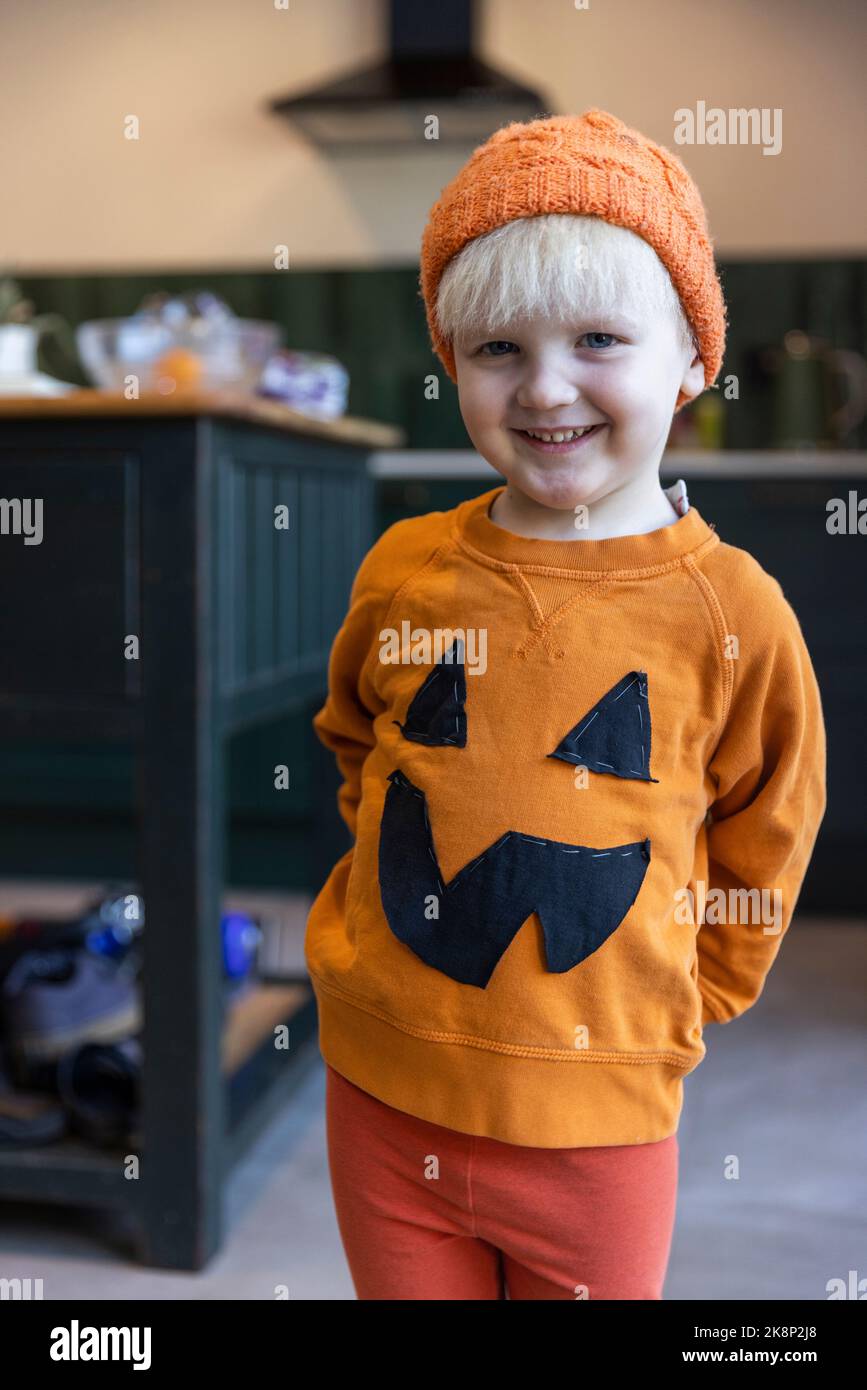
<point>595,165</point>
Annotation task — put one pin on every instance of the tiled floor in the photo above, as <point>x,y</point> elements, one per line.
<point>783,1091</point>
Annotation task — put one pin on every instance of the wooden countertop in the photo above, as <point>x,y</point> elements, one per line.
<point>346,429</point>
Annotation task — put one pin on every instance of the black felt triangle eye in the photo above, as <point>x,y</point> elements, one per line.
<point>437,714</point>
<point>614,736</point>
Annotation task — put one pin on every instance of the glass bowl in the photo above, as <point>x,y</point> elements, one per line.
<point>166,357</point>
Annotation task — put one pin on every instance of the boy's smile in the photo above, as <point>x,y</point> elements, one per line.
<point>559,439</point>
<point>620,375</point>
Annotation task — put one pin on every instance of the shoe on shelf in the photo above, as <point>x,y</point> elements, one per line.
<point>53,1002</point>
<point>28,1119</point>
<point>99,1084</point>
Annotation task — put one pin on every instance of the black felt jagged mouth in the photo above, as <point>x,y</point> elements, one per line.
<point>581,894</point>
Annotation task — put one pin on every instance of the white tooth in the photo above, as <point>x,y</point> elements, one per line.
<point>560,436</point>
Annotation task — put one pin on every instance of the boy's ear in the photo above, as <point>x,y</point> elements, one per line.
<point>692,384</point>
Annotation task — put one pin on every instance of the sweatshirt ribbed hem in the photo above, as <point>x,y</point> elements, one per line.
<point>498,1096</point>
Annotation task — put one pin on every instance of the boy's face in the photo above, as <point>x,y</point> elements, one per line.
<point>621,373</point>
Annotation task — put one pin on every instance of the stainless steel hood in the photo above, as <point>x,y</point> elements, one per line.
<point>430,70</point>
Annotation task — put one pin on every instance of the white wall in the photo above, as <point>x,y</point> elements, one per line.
<point>216,180</point>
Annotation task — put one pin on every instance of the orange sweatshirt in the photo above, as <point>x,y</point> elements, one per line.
<point>585,779</point>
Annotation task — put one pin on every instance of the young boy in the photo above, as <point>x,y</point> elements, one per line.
<point>583,756</point>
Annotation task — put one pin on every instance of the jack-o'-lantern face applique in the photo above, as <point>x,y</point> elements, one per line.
<point>581,894</point>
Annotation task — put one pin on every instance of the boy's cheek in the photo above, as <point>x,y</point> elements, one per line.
<point>631,391</point>
<point>483,435</point>
<point>484,408</point>
<point>639,408</point>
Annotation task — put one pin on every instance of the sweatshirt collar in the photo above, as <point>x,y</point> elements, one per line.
<point>661,547</point>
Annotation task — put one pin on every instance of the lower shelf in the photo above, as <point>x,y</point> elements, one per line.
<point>258,1079</point>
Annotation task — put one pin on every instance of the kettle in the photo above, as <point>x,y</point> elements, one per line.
<point>809,409</point>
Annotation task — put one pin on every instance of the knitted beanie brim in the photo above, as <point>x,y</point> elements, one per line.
<point>592,165</point>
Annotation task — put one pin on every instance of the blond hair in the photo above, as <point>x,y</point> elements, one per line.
<point>552,266</point>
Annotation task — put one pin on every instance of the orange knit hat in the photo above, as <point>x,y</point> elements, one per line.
<point>591,164</point>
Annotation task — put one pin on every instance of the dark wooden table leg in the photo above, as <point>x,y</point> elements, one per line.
<point>182,828</point>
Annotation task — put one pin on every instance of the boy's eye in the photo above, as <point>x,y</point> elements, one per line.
<point>503,343</point>
<point>497,343</point>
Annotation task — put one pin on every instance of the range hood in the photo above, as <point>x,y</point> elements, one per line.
<point>430,70</point>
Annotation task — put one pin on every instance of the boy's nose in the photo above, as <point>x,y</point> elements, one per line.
<point>545,386</point>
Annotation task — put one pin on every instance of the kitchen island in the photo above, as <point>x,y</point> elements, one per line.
<point>194,564</point>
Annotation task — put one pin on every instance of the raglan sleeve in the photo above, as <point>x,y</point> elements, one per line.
<point>344,724</point>
<point>769,768</point>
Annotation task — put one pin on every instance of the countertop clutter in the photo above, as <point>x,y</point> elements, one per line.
<point>228,404</point>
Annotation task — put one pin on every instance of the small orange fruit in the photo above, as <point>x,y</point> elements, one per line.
<point>177,367</point>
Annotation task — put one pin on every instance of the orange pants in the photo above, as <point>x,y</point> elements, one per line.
<point>426,1212</point>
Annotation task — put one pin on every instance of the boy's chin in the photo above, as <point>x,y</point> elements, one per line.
<point>561,488</point>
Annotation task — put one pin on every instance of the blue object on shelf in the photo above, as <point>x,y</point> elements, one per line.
<point>241,937</point>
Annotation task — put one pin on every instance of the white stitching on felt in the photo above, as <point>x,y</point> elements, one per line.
<point>400,780</point>
<point>597,762</point>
